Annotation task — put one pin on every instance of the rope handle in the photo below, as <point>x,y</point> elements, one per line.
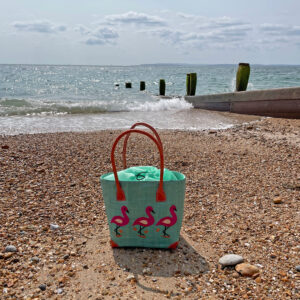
<point>160,194</point>
<point>127,137</point>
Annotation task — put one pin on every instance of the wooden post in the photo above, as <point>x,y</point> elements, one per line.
<point>193,84</point>
<point>142,85</point>
<point>162,87</point>
<point>128,85</point>
<point>242,77</point>
<point>188,84</point>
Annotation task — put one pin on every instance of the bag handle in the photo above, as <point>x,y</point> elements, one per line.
<point>127,137</point>
<point>160,194</point>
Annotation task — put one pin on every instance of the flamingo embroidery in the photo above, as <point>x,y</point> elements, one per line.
<point>144,222</point>
<point>120,221</point>
<point>167,222</point>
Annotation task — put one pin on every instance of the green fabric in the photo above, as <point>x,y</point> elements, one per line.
<point>143,173</point>
<point>140,195</point>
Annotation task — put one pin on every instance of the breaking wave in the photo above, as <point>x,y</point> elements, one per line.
<point>21,107</point>
<point>161,105</point>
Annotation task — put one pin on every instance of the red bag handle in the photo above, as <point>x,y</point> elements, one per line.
<point>160,194</point>
<point>127,137</point>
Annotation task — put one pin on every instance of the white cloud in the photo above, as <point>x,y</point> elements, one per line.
<point>189,38</point>
<point>224,22</point>
<point>98,36</point>
<point>41,26</point>
<point>280,29</point>
<point>134,18</point>
<point>202,22</point>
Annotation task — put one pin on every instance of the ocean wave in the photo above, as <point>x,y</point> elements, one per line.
<point>21,107</point>
<point>14,103</point>
<point>161,105</point>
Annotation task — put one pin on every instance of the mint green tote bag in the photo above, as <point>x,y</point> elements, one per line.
<point>144,205</point>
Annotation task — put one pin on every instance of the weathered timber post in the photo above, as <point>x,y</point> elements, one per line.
<point>162,87</point>
<point>188,84</point>
<point>193,83</point>
<point>142,85</point>
<point>242,77</point>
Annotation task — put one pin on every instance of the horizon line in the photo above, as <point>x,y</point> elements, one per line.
<point>147,64</point>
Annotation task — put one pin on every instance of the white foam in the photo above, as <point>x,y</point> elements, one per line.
<point>161,105</point>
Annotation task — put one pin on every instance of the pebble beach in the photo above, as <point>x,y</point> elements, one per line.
<point>242,198</point>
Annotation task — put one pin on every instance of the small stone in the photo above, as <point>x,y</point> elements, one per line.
<point>258,279</point>
<point>298,268</point>
<point>62,280</point>
<point>10,248</point>
<point>35,259</point>
<point>277,200</point>
<point>146,271</point>
<point>246,269</point>
<point>5,147</point>
<point>130,277</point>
<point>8,255</point>
<point>54,226</point>
<point>230,260</point>
<point>212,131</point>
<point>43,287</point>
<point>59,291</point>
<point>85,267</point>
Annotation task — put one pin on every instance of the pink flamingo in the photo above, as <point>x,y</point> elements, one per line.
<point>167,222</point>
<point>120,221</point>
<point>144,222</point>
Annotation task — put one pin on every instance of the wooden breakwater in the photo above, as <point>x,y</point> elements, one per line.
<point>283,102</point>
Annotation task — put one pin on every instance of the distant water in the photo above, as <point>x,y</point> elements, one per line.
<point>48,98</point>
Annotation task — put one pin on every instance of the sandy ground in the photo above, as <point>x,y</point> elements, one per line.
<point>233,178</point>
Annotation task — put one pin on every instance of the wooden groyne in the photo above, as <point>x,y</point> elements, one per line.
<point>284,102</point>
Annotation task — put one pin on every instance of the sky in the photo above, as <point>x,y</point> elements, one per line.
<point>131,32</point>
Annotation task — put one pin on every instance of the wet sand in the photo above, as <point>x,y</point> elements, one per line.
<point>234,176</point>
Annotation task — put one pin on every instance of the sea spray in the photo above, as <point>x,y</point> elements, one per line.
<point>161,105</point>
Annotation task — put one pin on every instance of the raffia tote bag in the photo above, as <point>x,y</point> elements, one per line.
<point>143,210</point>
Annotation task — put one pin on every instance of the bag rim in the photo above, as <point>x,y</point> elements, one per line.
<point>102,178</point>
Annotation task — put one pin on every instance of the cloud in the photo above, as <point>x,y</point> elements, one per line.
<point>182,38</point>
<point>98,36</point>
<point>214,31</point>
<point>222,22</point>
<point>40,26</point>
<point>202,22</point>
<point>280,29</point>
<point>234,31</point>
<point>134,18</point>
<point>173,36</point>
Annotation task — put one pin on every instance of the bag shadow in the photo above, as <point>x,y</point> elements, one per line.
<point>183,261</point>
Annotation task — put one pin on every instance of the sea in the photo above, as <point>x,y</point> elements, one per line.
<point>62,98</point>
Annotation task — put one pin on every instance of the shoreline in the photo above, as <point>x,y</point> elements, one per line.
<point>233,176</point>
<point>187,119</point>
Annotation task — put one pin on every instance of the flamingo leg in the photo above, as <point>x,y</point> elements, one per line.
<point>140,230</point>
<point>165,232</point>
<point>116,230</point>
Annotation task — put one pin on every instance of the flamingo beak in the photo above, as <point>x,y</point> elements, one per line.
<point>127,210</point>
<point>175,209</point>
<point>153,211</point>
